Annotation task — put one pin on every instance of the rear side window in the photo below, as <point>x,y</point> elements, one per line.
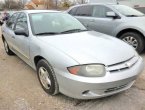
<point>84,11</point>
<point>73,11</point>
<point>100,11</point>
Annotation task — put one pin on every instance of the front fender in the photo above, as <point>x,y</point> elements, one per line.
<point>57,58</point>
<point>122,27</point>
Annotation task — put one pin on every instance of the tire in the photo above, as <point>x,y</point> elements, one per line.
<point>7,49</point>
<point>51,87</point>
<point>134,39</point>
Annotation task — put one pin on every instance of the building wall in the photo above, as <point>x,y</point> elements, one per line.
<point>125,2</point>
<point>133,3</point>
<point>35,4</point>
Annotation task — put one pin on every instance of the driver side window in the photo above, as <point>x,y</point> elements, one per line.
<point>22,22</point>
<point>11,22</point>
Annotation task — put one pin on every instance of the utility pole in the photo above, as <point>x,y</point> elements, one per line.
<point>8,3</point>
<point>56,2</point>
<point>82,1</point>
<point>46,3</point>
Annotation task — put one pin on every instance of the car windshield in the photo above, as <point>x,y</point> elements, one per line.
<point>54,23</point>
<point>128,11</point>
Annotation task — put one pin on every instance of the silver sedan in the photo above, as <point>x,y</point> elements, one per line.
<point>68,58</point>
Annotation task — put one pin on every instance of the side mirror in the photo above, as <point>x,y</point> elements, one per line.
<point>21,32</point>
<point>111,14</point>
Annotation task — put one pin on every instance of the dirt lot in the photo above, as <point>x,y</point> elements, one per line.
<point>20,90</point>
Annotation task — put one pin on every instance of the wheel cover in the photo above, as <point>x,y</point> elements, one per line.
<point>44,78</point>
<point>6,46</point>
<point>131,41</point>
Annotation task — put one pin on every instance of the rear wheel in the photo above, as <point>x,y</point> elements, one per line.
<point>7,49</point>
<point>47,77</point>
<point>134,39</point>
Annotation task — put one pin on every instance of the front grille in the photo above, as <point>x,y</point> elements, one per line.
<point>115,88</point>
<point>123,65</point>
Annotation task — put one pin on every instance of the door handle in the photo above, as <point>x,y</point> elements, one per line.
<point>13,37</point>
<point>92,20</point>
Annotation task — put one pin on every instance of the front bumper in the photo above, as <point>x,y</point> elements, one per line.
<point>91,88</point>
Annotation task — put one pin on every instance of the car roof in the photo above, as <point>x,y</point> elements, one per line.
<point>38,11</point>
<point>105,4</point>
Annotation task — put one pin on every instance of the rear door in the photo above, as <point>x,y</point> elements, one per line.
<point>83,14</point>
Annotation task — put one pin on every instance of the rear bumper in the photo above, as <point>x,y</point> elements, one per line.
<point>91,88</point>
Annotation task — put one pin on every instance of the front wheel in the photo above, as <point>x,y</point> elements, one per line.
<point>134,39</point>
<point>7,49</point>
<point>47,77</point>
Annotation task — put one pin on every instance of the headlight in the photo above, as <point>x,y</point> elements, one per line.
<point>93,70</point>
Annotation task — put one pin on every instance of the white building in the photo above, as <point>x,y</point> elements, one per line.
<point>133,3</point>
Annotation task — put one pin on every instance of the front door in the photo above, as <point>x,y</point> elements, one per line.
<point>8,31</point>
<point>21,41</point>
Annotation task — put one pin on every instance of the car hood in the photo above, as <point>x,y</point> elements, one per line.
<point>91,47</point>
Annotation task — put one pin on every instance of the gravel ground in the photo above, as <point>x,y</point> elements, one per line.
<point>20,90</point>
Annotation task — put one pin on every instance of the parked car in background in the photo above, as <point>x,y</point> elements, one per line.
<point>67,57</point>
<point>121,21</point>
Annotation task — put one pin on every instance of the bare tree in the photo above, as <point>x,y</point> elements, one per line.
<point>66,3</point>
<point>11,4</point>
<point>1,5</point>
<point>80,1</point>
<point>49,4</point>
<point>56,4</point>
<point>21,4</point>
<point>7,4</point>
<point>46,3</point>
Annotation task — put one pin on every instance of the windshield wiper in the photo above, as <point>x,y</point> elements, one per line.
<point>47,33</point>
<point>73,30</point>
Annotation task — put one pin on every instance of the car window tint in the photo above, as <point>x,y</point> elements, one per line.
<point>11,22</point>
<point>100,11</point>
<point>21,22</point>
<point>73,11</point>
<point>84,11</point>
